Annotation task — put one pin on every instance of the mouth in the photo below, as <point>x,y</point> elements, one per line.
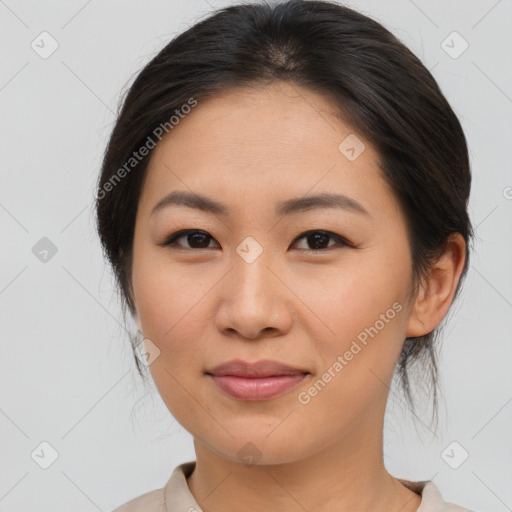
<point>258,381</point>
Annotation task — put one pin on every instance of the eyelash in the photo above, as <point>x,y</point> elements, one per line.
<point>170,241</point>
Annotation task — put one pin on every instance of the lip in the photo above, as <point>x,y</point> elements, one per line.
<point>257,381</point>
<point>265,368</point>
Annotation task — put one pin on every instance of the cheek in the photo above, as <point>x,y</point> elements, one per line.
<point>170,302</point>
<point>364,305</point>
<point>174,306</point>
<point>356,368</point>
<point>367,340</point>
<point>350,296</point>
<point>166,294</point>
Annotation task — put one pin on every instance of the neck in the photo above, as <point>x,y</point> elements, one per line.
<point>348,476</point>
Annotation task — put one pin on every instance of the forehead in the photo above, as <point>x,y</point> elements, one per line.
<point>242,121</point>
<point>263,143</point>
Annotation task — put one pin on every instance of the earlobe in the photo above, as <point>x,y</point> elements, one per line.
<point>438,288</point>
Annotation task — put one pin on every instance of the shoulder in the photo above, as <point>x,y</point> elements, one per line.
<point>432,501</point>
<point>153,501</point>
<point>175,495</point>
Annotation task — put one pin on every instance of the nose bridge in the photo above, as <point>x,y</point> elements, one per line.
<point>252,276</point>
<point>251,300</point>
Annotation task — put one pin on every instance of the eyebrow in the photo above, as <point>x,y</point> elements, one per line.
<point>288,207</point>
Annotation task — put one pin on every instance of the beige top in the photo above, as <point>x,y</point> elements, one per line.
<point>176,496</point>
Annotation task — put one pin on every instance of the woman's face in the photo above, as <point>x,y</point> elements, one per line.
<point>249,286</point>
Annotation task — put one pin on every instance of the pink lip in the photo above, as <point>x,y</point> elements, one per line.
<point>256,388</point>
<point>256,381</point>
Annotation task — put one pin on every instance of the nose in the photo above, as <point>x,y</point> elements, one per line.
<point>254,300</point>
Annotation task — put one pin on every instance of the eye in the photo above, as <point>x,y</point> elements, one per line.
<point>198,239</point>
<point>318,239</point>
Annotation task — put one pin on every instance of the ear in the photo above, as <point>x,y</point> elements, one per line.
<point>436,292</point>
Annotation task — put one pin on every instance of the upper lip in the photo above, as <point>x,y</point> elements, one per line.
<point>265,368</point>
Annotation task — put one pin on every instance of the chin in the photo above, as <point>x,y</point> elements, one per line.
<point>257,449</point>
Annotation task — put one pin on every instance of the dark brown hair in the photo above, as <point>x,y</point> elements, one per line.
<point>375,82</point>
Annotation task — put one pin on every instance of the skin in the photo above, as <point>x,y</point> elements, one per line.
<point>250,149</point>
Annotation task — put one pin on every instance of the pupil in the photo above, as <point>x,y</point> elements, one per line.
<point>202,239</point>
<point>318,238</point>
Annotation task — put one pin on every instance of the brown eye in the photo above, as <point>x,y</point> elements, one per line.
<point>195,238</point>
<point>319,240</point>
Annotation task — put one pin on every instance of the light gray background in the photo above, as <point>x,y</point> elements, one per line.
<point>66,370</point>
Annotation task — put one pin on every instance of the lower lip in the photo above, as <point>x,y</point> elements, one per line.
<point>256,389</point>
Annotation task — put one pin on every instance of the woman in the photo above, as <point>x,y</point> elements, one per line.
<point>283,200</point>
